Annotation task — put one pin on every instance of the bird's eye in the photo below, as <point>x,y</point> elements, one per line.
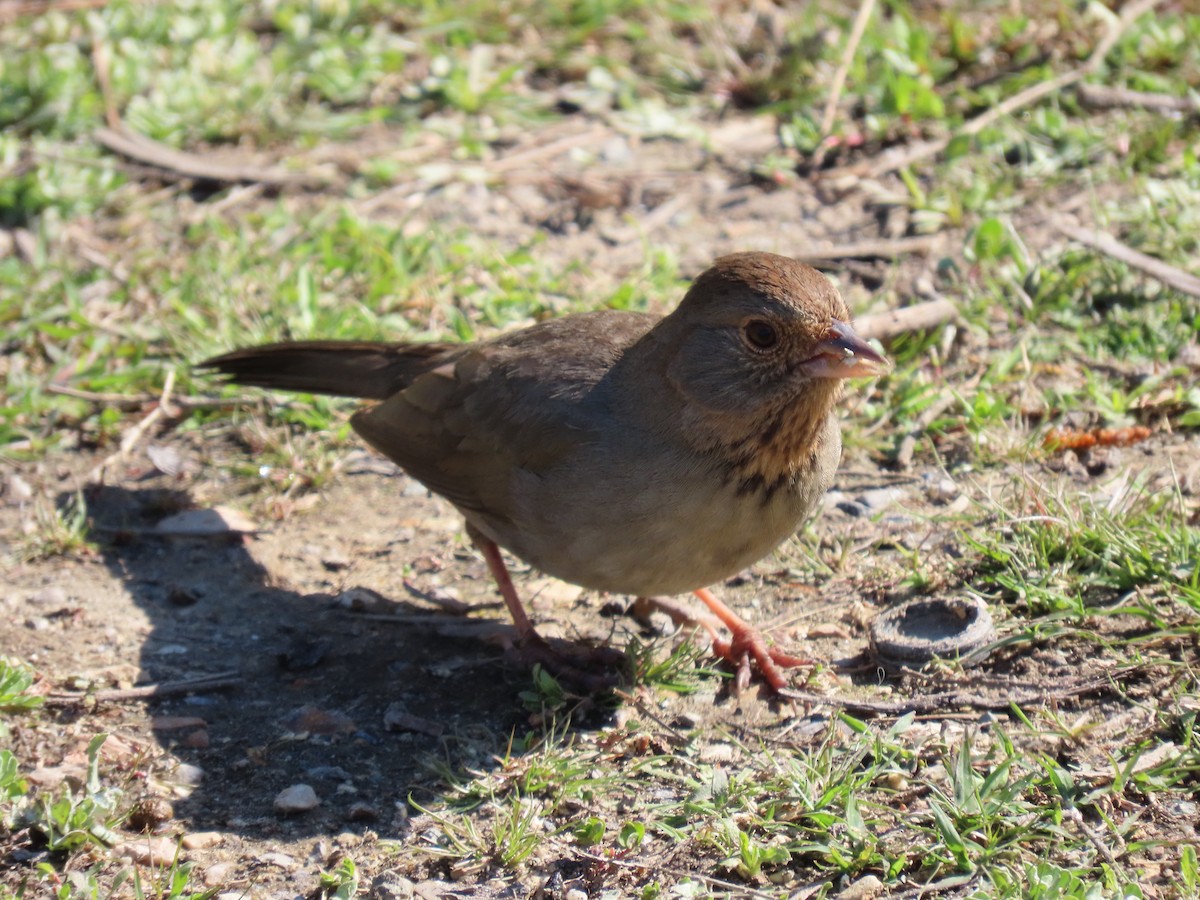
<point>760,334</point>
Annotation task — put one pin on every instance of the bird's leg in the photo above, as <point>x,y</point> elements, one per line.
<point>532,646</point>
<point>744,644</point>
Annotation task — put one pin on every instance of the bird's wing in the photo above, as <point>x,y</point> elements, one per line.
<point>519,402</point>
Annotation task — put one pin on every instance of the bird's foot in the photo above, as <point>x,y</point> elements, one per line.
<point>587,668</point>
<point>744,649</point>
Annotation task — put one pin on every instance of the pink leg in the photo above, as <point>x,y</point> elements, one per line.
<point>533,646</point>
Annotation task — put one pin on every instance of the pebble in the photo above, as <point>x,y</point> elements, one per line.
<point>880,498</point>
<point>279,860</point>
<point>51,596</point>
<point>866,887</point>
<point>217,873</point>
<point>186,773</point>
<point>147,851</point>
<point>853,509</point>
<point>943,491</point>
<point>298,798</point>
<point>392,887</point>
<point>716,753</point>
<point>202,840</point>
<point>576,894</point>
<point>335,560</point>
<point>196,740</point>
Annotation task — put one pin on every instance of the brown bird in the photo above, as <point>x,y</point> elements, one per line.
<point>618,451</point>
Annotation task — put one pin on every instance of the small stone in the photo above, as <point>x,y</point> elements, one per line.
<point>217,873</point>
<point>716,753</point>
<point>51,596</point>
<point>576,894</point>
<point>361,600</point>
<point>279,860</point>
<point>362,812</point>
<point>866,887</point>
<point>880,498</point>
<point>335,560</point>
<point>148,852</point>
<point>37,623</point>
<point>391,887</point>
<point>196,740</point>
<point>176,723</point>
<point>397,718</point>
<point>202,840</point>
<point>943,491</point>
<point>186,773</point>
<point>18,490</point>
<point>853,509</point>
<point>298,798</point>
<point>313,720</point>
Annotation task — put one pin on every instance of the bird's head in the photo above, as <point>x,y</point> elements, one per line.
<point>759,332</point>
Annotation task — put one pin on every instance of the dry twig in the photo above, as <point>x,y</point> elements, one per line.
<point>839,77</point>
<point>907,156</point>
<point>1104,97</point>
<point>135,434</point>
<point>918,317</point>
<point>1172,276</point>
<point>189,165</point>
<point>214,682</point>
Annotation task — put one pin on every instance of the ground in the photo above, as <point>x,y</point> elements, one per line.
<point>1039,450</point>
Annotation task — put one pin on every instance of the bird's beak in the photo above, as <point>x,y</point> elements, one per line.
<point>845,354</point>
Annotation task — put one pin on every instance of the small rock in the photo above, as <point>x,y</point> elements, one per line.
<point>147,851</point>
<point>716,753</point>
<point>205,522</point>
<point>165,458</point>
<point>335,560</point>
<point>432,890</point>
<point>196,740</point>
<point>943,491</point>
<point>51,596</point>
<point>361,600</point>
<point>391,887</point>
<point>176,723</point>
<point>880,498</point>
<point>217,873</point>
<point>576,894</point>
<point>866,887</point>
<point>397,718</point>
<point>279,860</point>
<point>362,812</point>
<point>18,491</point>
<point>853,509</point>
<point>298,798</point>
<point>202,840</point>
<point>37,623</point>
<point>313,720</point>
<point>186,773</point>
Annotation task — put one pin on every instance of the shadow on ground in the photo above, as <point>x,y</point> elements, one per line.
<point>365,712</point>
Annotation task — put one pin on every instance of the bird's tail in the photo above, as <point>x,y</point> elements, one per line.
<point>371,371</point>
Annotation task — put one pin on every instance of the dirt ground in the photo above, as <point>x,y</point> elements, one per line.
<point>341,667</point>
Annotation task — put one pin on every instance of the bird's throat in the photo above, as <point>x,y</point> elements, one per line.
<point>787,442</point>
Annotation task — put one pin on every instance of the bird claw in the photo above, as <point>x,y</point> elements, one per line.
<point>745,649</point>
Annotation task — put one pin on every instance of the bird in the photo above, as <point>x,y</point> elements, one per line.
<point>616,450</point>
